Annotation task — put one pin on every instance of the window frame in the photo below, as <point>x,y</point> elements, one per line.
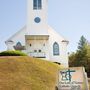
<point>37,4</point>
<point>56,49</point>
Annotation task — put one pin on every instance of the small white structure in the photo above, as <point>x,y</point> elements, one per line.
<point>37,38</point>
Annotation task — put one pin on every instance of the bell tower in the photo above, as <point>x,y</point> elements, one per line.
<point>37,17</point>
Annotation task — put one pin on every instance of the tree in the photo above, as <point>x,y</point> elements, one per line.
<point>82,56</point>
<point>72,59</point>
<point>82,43</point>
<point>88,59</point>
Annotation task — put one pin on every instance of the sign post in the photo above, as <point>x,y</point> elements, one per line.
<point>73,78</point>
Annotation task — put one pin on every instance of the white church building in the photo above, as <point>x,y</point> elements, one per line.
<point>37,38</point>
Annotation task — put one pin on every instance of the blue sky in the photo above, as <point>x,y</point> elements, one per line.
<point>70,18</point>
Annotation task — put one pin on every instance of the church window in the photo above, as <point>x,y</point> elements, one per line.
<point>35,50</point>
<point>40,51</point>
<point>30,45</point>
<point>37,19</point>
<point>37,4</point>
<point>18,44</point>
<point>55,48</point>
<point>34,4</point>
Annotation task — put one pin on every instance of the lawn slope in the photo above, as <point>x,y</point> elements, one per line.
<point>26,73</point>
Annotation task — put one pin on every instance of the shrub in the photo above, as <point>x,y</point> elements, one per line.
<point>57,63</point>
<point>12,53</point>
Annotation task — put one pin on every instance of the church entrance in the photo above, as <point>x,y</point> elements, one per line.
<point>36,46</point>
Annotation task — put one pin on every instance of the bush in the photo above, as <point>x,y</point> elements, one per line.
<point>12,53</point>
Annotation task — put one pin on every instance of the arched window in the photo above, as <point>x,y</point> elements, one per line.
<point>55,48</point>
<point>37,4</point>
<point>18,44</point>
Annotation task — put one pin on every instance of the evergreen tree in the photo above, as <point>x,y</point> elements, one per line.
<point>82,55</point>
<point>82,43</point>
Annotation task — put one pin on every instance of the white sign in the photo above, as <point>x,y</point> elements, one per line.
<point>72,79</point>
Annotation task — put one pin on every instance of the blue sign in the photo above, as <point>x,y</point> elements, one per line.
<point>66,75</point>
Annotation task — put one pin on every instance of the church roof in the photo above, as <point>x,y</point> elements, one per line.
<point>24,31</point>
<point>14,35</point>
<point>59,35</point>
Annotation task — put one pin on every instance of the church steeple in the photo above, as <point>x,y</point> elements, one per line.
<point>37,17</point>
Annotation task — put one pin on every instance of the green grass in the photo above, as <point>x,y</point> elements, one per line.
<point>12,53</point>
<point>25,73</point>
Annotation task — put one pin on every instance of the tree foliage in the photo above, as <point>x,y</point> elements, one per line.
<point>82,43</point>
<point>82,56</point>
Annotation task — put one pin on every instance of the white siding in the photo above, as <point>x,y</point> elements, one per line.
<point>37,28</point>
<point>54,37</point>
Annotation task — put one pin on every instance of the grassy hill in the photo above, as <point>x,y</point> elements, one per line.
<point>25,73</point>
